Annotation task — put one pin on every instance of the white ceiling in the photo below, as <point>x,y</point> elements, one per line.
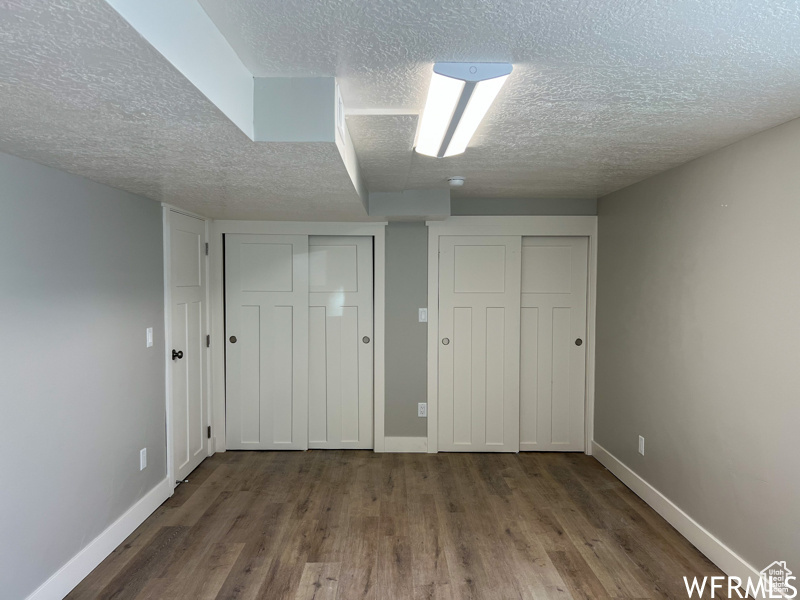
<point>82,91</point>
<point>604,93</point>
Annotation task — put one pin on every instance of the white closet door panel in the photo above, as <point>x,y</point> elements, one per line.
<point>462,372</point>
<point>341,363</point>
<point>479,320</point>
<point>247,353</point>
<point>266,295</point>
<point>495,375</point>
<point>317,376</point>
<point>278,364</point>
<point>189,417</point>
<point>529,379</point>
<point>562,342</point>
<point>553,366</point>
<point>348,350</point>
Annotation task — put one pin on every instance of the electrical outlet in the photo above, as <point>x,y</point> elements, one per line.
<point>423,315</point>
<point>641,445</point>
<point>149,337</point>
<point>422,409</point>
<point>142,459</point>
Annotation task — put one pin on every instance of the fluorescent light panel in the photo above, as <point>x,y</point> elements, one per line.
<point>479,102</point>
<point>443,96</point>
<point>459,96</point>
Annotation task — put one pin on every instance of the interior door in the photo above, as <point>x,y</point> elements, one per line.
<point>188,336</point>
<point>340,342</point>
<point>553,349</point>
<point>266,324</point>
<point>479,303</point>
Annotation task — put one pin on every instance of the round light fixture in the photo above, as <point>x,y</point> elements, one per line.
<point>455,181</point>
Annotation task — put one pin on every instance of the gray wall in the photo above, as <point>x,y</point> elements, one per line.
<point>698,340</point>
<point>406,337</point>
<point>82,278</point>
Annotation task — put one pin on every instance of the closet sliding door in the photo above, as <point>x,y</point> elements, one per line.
<point>479,300</point>
<point>553,352</point>
<point>511,343</point>
<point>340,342</point>
<point>299,347</point>
<point>266,320</point>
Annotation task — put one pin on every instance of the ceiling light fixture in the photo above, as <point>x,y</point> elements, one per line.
<point>459,96</point>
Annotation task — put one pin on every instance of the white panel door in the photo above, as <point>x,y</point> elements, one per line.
<point>266,324</point>
<point>553,352</point>
<point>188,347</point>
<point>340,342</point>
<point>479,300</point>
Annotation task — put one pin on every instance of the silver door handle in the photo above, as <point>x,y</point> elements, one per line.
<point>445,341</point>
<point>365,339</point>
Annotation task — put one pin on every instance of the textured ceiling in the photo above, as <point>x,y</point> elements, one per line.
<point>604,93</point>
<point>82,91</point>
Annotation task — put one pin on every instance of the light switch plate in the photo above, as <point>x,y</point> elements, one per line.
<point>641,445</point>
<point>142,459</point>
<point>423,315</point>
<point>422,409</point>
<point>149,337</point>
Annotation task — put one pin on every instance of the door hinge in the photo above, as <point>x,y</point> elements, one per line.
<point>209,432</point>
<point>206,248</point>
<point>208,341</point>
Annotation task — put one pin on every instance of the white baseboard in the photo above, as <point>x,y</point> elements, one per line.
<point>405,444</point>
<point>79,566</point>
<point>726,559</point>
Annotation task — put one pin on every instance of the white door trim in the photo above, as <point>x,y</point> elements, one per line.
<point>217,304</point>
<point>550,226</point>
<point>166,210</point>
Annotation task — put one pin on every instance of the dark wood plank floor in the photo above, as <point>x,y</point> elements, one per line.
<point>354,524</point>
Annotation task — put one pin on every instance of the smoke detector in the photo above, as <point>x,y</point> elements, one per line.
<point>455,181</point>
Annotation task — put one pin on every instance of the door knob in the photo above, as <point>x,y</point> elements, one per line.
<point>176,354</point>
<point>233,339</point>
<point>578,342</point>
<point>365,339</point>
<point>445,341</point>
